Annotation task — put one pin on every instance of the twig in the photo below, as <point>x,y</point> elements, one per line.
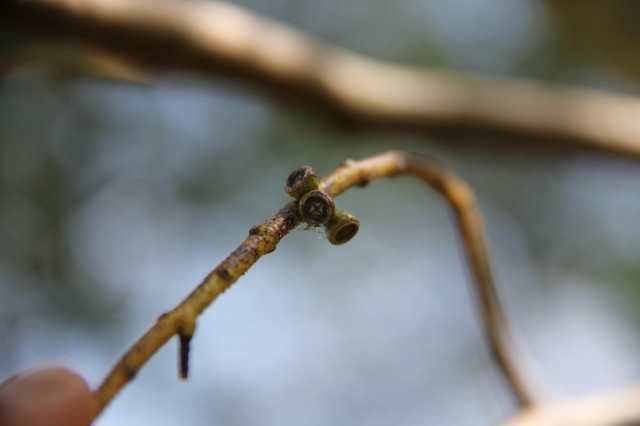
<point>314,205</point>
<point>181,320</point>
<point>620,407</point>
<point>462,200</point>
<point>220,39</point>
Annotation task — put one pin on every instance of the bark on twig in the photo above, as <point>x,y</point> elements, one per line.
<point>219,39</point>
<point>264,238</point>
<point>181,320</point>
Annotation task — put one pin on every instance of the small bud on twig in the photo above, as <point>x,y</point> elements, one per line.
<point>300,181</point>
<point>316,208</point>
<point>342,227</point>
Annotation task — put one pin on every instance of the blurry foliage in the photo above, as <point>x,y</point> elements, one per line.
<point>609,29</point>
<point>40,189</point>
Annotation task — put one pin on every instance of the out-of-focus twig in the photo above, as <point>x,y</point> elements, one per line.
<point>219,39</point>
<point>76,60</point>
<point>620,407</point>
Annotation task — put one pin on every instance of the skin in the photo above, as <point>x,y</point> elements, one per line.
<point>51,397</point>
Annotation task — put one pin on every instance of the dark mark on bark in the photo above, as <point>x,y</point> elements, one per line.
<point>224,274</point>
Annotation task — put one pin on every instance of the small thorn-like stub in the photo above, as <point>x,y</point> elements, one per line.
<point>342,227</point>
<point>300,181</point>
<point>316,208</point>
<point>185,345</point>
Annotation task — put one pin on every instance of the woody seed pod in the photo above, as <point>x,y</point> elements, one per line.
<point>316,208</point>
<point>342,227</point>
<point>300,181</point>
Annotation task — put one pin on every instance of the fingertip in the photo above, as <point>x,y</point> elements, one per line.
<point>51,397</point>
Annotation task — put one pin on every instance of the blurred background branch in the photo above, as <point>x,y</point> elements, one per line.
<point>614,408</point>
<point>220,39</point>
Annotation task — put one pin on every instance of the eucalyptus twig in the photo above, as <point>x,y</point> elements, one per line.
<point>462,200</point>
<point>314,206</point>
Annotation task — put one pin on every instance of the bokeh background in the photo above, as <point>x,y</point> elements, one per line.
<point>116,199</point>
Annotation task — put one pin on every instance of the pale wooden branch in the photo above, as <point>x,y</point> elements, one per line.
<point>264,238</point>
<point>620,407</point>
<point>219,39</point>
<point>608,28</point>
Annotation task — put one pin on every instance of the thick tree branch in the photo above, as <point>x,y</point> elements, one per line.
<point>219,39</point>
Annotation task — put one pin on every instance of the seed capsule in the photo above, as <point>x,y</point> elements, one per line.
<point>300,181</point>
<point>342,227</point>
<point>316,208</point>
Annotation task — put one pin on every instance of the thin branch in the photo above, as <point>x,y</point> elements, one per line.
<point>76,60</point>
<point>620,407</point>
<point>181,320</point>
<point>264,238</point>
<point>220,39</point>
<point>461,198</point>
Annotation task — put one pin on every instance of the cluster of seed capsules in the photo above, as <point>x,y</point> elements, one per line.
<point>316,207</point>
